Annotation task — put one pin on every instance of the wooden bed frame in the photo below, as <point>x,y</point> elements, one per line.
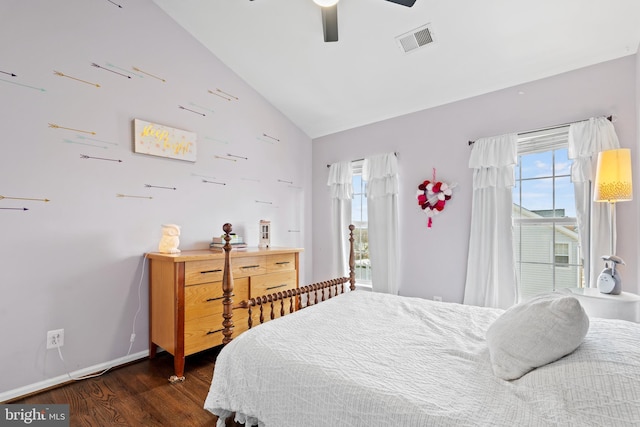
<point>293,299</point>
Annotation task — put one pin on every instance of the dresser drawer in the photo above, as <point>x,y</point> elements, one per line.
<point>240,321</point>
<point>248,266</point>
<point>202,333</point>
<point>281,262</point>
<point>273,283</point>
<point>206,299</point>
<point>196,272</point>
<point>206,332</point>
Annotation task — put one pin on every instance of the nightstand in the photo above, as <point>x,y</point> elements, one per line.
<point>625,306</point>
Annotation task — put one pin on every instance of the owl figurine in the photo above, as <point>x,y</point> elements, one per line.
<point>170,239</point>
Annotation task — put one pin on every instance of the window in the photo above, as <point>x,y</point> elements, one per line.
<point>546,244</point>
<point>561,253</point>
<point>360,221</point>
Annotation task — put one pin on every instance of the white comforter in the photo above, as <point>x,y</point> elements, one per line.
<point>359,360</point>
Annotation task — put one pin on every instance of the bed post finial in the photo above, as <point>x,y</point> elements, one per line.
<point>227,288</point>
<point>352,264</point>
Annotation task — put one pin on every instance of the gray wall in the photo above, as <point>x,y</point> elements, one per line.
<point>433,261</point>
<point>76,262</point>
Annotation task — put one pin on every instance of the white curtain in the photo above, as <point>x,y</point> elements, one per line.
<point>586,140</point>
<point>381,174</point>
<point>491,276</point>
<point>340,184</point>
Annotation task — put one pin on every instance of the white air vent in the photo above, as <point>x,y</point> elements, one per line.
<point>416,38</point>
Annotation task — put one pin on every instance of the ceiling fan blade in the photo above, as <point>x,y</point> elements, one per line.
<point>407,3</point>
<point>330,23</point>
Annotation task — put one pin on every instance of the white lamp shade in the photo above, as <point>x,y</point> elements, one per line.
<point>613,176</point>
<point>326,3</point>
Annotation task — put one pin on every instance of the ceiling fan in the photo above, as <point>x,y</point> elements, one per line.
<point>330,16</point>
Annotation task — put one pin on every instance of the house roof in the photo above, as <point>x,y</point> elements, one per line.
<point>277,47</point>
<point>524,213</point>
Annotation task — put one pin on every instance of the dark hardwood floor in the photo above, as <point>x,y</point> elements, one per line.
<point>138,394</point>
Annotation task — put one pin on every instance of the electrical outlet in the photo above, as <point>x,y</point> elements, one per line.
<point>437,298</point>
<point>55,338</point>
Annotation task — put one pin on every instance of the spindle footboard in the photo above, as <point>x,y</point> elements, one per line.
<point>278,304</point>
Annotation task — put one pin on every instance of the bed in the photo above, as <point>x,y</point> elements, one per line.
<point>368,359</point>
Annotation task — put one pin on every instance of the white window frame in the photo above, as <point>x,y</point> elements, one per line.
<point>360,281</point>
<point>539,142</point>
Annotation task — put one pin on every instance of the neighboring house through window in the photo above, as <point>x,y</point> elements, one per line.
<point>547,253</point>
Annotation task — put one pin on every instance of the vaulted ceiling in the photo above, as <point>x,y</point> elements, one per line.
<point>479,46</point>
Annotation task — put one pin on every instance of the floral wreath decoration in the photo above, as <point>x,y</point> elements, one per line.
<point>433,196</point>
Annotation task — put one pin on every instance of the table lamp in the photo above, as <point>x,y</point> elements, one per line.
<point>613,184</point>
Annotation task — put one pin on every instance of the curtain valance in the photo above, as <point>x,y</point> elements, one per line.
<point>381,174</point>
<point>340,180</point>
<point>586,140</point>
<point>493,160</point>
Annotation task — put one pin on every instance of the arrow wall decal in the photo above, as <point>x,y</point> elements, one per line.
<point>55,126</point>
<point>84,156</point>
<point>148,74</point>
<point>58,73</point>
<point>93,64</point>
<point>136,197</point>
<point>157,186</point>
<point>23,198</point>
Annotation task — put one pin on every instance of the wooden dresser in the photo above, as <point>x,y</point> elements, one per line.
<point>185,295</point>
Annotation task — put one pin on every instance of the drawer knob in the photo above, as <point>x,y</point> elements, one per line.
<point>214,332</point>
<point>282,262</point>
<point>251,266</point>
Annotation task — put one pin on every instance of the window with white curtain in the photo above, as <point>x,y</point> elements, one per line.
<point>359,219</point>
<point>546,241</point>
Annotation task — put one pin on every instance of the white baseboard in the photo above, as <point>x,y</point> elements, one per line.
<point>43,385</point>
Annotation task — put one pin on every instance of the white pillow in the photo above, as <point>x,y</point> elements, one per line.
<point>534,333</point>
